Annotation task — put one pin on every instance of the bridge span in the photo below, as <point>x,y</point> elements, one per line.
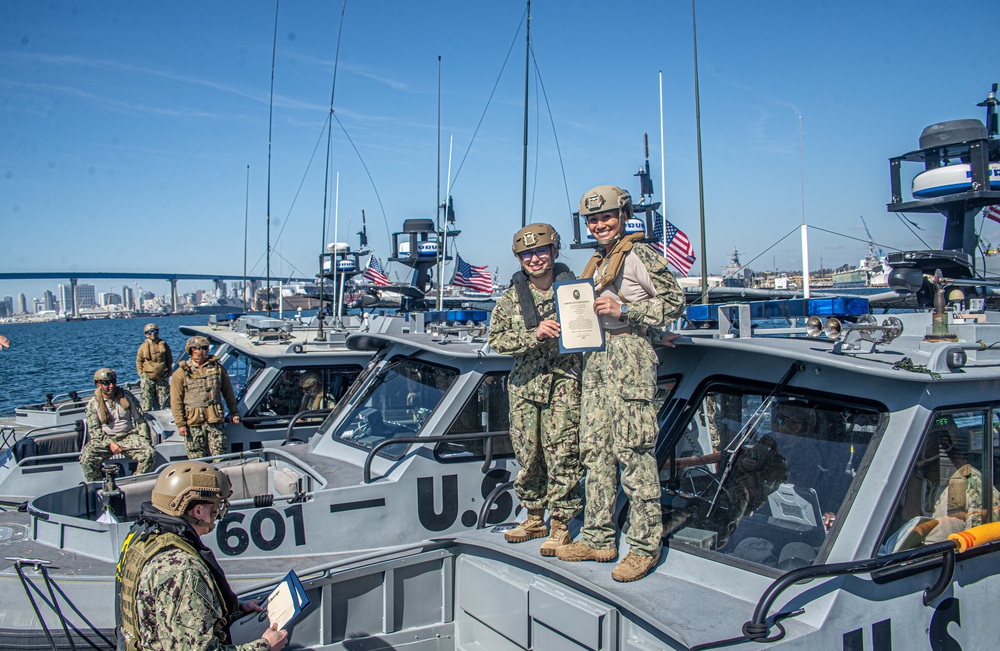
<point>172,278</point>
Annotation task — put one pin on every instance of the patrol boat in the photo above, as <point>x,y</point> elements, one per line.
<point>834,491</point>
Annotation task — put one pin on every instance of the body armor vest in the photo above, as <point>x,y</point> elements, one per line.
<point>154,364</point>
<point>202,386</point>
<point>137,550</point>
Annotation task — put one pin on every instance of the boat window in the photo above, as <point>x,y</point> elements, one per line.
<point>763,478</point>
<point>242,370</point>
<point>486,410</point>
<point>394,402</point>
<point>301,389</point>
<point>946,490</point>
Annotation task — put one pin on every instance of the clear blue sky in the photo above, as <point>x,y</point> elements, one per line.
<point>127,127</point>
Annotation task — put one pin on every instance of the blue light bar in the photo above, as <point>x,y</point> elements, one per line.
<point>461,316</point>
<point>792,308</point>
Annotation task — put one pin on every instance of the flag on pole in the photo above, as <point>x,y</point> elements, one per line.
<point>678,250</point>
<point>375,273</point>
<point>992,212</point>
<point>473,277</point>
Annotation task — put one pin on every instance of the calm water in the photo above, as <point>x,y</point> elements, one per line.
<point>59,357</point>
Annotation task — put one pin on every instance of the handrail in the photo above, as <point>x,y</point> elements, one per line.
<point>757,629</point>
<point>427,439</point>
<point>488,502</point>
<point>303,414</point>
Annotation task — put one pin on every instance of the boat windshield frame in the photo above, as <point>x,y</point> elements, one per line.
<point>393,398</point>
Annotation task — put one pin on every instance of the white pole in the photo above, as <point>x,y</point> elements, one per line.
<point>663,168</point>
<point>805,235</point>
<point>336,218</point>
<point>444,242</point>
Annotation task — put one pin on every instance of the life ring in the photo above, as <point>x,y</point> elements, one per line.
<point>949,179</point>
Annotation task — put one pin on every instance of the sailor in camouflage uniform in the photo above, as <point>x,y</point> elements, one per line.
<point>197,389</point>
<point>170,592</point>
<point>544,389</point>
<point>116,425</point>
<point>637,296</point>
<point>153,362</point>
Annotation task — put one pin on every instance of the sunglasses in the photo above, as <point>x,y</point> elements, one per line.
<point>152,332</point>
<point>541,252</point>
<point>205,348</point>
<point>106,383</point>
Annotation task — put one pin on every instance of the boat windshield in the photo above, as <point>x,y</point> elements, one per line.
<point>775,499</point>
<point>395,401</point>
<point>242,370</point>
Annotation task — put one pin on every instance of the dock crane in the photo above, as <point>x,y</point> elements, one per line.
<point>871,241</point>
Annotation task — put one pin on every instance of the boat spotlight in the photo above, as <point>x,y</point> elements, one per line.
<point>814,326</point>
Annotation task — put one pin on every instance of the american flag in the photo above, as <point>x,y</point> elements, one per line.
<point>476,278</point>
<point>679,251</point>
<point>992,212</point>
<point>375,273</point>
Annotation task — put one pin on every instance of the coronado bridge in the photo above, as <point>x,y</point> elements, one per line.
<point>172,278</point>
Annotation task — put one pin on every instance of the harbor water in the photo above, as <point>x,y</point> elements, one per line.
<point>57,357</point>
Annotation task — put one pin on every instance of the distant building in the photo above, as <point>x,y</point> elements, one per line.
<point>48,300</point>
<point>86,295</point>
<point>106,299</point>
<point>7,306</point>
<point>22,304</point>
<point>128,298</point>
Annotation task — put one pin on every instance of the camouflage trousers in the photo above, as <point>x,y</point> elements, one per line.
<point>158,389</point>
<point>546,443</point>
<point>618,426</point>
<point>134,446</point>
<point>205,440</point>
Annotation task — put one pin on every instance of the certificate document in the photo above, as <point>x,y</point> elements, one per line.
<point>579,328</point>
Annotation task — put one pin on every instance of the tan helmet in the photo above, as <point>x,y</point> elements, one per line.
<point>105,374</point>
<point>604,198</point>
<point>196,342</point>
<point>149,328</point>
<point>534,236</point>
<point>185,482</point>
<point>308,380</point>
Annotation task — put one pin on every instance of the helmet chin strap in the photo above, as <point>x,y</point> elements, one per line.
<point>210,525</point>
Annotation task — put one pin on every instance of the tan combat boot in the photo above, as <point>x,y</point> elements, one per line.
<point>533,527</point>
<point>633,567</point>
<point>575,552</point>
<point>558,536</point>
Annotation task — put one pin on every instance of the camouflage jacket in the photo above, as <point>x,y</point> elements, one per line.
<point>657,311</point>
<point>536,363</point>
<point>95,427</point>
<point>178,607</point>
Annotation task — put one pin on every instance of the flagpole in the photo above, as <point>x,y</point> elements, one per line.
<point>444,231</point>
<point>805,234</point>
<point>663,170</point>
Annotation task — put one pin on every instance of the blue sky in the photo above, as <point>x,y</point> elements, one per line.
<point>127,127</point>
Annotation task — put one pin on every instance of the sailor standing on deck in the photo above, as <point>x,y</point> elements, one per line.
<point>636,296</point>
<point>197,389</point>
<point>153,363</point>
<point>544,389</point>
<point>117,425</point>
<point>170,592</point>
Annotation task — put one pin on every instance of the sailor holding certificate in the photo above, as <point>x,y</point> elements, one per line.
<point>544,391</point>
<point>636,297</point>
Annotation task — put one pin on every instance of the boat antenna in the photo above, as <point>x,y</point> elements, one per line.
<point>246,228</point>
<point>437,206</point>
<point>524,165</point>
<point>320,334</point>
<point>701,180</point>
<point>992,127</point>
<point>363,233</point>
<point>270,128</point>
<point>663,168</point>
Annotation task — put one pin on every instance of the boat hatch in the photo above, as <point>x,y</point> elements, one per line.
<point>763,476</point>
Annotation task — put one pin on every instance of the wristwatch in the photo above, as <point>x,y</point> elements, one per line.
<point>623,312</point>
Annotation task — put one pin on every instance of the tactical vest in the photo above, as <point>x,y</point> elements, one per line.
<point>137,550</point>
<point>203,392</point>
<point>154,365</point>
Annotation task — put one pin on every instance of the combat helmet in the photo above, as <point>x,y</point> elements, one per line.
<point>535,236</point>
<point>105,375</point>
<point>196,341</point>
<point>149,327</point>
<point>185,482</point>
<point>604,198</point>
